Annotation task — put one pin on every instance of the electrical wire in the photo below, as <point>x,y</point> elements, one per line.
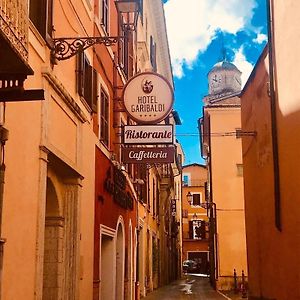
<point>221,134</point>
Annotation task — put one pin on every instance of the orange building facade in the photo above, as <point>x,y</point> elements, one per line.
<point>270,108</point>
<point>221,147</point>
<point>78,209</point>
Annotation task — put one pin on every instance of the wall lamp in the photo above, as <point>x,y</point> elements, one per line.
<point>189,197</point>
<point>66,47</point>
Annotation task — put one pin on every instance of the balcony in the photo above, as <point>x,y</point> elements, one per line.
<point>14,37</point>
<point>14,67</point>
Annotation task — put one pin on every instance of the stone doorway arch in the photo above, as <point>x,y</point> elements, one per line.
<point>53,245</point>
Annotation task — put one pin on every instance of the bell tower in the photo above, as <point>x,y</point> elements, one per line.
<point>224,77</point>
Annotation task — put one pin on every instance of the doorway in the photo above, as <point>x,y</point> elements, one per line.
<point>120,263</point>
<point>53,245</point>
<point>107,267</point>
<point>201,258</point>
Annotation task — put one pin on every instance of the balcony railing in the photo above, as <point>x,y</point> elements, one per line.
<point>14,25</point>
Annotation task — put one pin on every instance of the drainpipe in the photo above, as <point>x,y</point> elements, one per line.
<point>3,139</point>
<point>273,98</point>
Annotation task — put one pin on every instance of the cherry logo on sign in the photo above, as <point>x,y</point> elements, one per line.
<point>147,86</point>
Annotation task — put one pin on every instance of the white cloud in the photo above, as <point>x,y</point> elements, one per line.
<point>260,38</point>
<point>192,25</point>
<point>243,65</point>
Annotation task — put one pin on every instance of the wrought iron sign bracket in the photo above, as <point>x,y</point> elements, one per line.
<point>64,48</point>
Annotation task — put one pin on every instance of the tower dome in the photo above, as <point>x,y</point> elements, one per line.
<point>224,77</point>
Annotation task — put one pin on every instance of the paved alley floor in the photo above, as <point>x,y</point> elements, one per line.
<point>192,287</point>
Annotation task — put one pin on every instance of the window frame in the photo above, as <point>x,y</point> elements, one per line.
<point>195,223</point>
<point>200,199</point>
<point>104,117</point>
<point>188,183</point>
<point>42,18</point>
<point>87,82</point>
<point>104,15</point>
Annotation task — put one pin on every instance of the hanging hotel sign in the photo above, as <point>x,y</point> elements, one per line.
<point>149,155</point>
<point>148,134</point>
<point>148,98</point>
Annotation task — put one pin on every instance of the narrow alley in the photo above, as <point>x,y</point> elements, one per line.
<point>191,287</point>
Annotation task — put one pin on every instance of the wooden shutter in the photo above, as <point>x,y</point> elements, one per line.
<point>191,236</point>
<point>80,73</point>
<point>88,80</point>
<point>94,92</point>
<point>203,229</point>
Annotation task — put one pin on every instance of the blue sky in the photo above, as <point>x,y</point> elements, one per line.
<point>197,31</point>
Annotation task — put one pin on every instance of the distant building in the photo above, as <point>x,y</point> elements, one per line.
<point>220,129</point>
<point>195,234</point>
<point>271,109</point>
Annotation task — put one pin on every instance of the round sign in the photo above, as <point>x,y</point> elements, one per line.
<point>148,98</point>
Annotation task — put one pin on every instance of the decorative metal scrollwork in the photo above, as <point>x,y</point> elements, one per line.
<point>65,48</point>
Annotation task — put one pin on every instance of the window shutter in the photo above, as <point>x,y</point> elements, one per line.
<point>143,175</point>
<point>191,230</point>
<point>79,73</point>
<point>88,80</point>
<point>94,92</point>
<point>154,58</point>
<point>203,230</point>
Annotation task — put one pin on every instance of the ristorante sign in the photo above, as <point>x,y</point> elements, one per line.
<point>148,134</point>
<point>148,155</point>
<point>148,98</point>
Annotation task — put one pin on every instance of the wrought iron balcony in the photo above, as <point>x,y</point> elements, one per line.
<point>14,34</point>
<point>14,67</point>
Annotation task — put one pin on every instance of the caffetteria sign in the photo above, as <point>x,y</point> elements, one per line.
<point>148,98</point>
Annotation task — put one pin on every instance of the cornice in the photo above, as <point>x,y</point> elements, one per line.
<point>64,94</point>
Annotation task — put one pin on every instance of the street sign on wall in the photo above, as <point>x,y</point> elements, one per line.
<point>148,134</point>
<point>148,98</point>
<point>149,155</point>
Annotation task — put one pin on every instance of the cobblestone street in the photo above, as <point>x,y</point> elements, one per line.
<point>192,287</point>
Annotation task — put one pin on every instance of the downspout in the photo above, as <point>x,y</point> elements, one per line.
<point>3,139</point>
<point>214,215</point>
<point>273,98</point>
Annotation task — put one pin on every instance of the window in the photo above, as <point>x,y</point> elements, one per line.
<point>199,229</point>
<point>142,189</point>
<point>105,15</point>
<point>142,11</point>
<point>41,15</point>
<point>126,52</point>
<point>104,117</point>
<point>87,81</point>
<point>154,196</point>
<point>153,54</point>
<point>196,199</point>
<point>186,180</point>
